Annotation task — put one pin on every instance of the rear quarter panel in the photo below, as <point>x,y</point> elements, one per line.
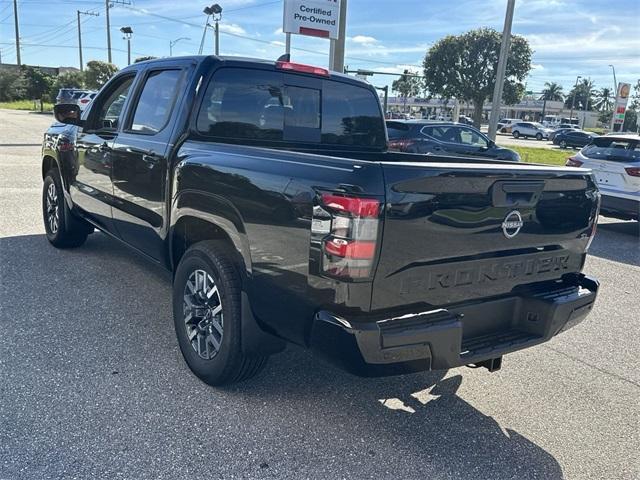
<point>264,200</point>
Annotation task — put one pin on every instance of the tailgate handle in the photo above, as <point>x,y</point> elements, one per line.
<point>516,194</point>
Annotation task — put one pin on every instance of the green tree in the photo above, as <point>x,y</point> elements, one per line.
<point>37,84</point>
<point>68,79</point>
<point>98,73</point>
<point>584,93</point>
<point>464,66</point>
<point>408,85</point>
<point>604,99</point>
<point>11,86</point>
<point>552,92</point>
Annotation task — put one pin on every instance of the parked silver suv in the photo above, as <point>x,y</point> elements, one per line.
<point>530,129</point>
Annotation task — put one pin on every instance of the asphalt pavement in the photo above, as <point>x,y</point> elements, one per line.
<point>92,383</point>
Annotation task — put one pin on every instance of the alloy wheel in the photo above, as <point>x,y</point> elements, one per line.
<point>53,215</point>
<point>202,309</point>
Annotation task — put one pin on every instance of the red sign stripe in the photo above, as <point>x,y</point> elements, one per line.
<point>314,32</point>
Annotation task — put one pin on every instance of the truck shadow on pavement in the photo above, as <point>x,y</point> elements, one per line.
<point>311,418</point>
<point>617,241</point>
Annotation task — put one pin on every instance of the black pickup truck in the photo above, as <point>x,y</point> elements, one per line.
<point>267,189</point>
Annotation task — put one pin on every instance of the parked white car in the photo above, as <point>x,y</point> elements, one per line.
<point>615,161</point>
<point>504,125</point>
<point>530,129</point>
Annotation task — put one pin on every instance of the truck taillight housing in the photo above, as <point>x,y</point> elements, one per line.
<point>347,228</point>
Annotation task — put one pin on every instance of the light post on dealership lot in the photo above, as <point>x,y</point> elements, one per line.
<point>172,43</point>
<point>573,99</point>
<point>214,11</point>
<point>127,32</point>
<point>615,98</point>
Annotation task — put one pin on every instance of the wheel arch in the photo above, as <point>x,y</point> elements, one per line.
<point>198,216</point>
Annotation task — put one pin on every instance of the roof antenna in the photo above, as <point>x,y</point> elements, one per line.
<point>284,58</point>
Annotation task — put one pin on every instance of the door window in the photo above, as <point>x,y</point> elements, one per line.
<point>156,101</point>
<point>472,138</point>
<point>109,112</point>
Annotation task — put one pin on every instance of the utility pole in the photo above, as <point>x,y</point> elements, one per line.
<point>15,19</point>
<point>109,4</point>
<point>502,67</point>
<point>336,48</point>
<point>106,4</point>
<point>93,14</point>
<point>172,43</point>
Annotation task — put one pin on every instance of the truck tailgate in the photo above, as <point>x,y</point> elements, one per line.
<point>457,232</point>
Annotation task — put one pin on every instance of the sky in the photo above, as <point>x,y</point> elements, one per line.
<point>568,37</point>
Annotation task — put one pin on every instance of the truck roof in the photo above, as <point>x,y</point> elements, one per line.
<point>245,62</point>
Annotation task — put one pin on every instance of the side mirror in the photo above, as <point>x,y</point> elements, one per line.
<point>491,144</point>
<point>67,113</point>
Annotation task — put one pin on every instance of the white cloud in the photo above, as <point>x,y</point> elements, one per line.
<point>278,31</point>
<point>537,66</point>
<point>232,28</point>
<point>364,40</point>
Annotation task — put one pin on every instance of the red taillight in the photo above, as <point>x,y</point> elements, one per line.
<point>359,207</point>
<point>299,67</point>
<point>633,171</point>
<point>346,227</point>
<point>573,162</point>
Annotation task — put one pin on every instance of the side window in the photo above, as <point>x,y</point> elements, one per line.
<point>156,101</point>
<point>110,109</point>
<point>243,104</point>
<point>472,138</point>
<point>351,116</point>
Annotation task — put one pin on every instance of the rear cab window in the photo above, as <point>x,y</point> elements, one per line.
<point>614,149</point>
<point>272,108</point>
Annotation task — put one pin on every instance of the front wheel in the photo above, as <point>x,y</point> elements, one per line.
<point>538,136</point>
<point>207,315</point>
<point>516,134</point>
<point>63,229</point>
<point>563,144</point>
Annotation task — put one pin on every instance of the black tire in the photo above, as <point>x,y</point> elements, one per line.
<point>563,144</point>
<point>63,228</point>
<point>538,136</point>
<point>516,134</point>
<point>228,364</point>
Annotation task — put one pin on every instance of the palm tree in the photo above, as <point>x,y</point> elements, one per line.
<point>604,99</point>
<point>552,91</point>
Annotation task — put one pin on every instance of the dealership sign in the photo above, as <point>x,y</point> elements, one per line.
<point>622,98</point>
<point>317,18</point>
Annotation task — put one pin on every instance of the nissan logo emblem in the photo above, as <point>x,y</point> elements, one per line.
<point>512,224</point>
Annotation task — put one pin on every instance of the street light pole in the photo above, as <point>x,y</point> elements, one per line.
<point>127,32</point>
<point>502,67</point>
<point>214,11</point>
<point>615,98</point>
<point>172,43</point>
<point>573,99</point>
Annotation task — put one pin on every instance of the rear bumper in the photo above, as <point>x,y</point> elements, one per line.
<point>619,206</point>
<point>447,338</point>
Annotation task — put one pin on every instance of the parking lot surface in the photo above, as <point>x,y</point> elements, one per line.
<point>92,383</point>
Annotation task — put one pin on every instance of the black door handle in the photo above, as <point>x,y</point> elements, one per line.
<point>150,159</point>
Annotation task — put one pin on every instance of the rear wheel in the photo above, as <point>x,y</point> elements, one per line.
<point>63,229</point>
<point>207,315</point>
<point>538,136</point>
<point>563,144</point>
<point>516,134</point>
